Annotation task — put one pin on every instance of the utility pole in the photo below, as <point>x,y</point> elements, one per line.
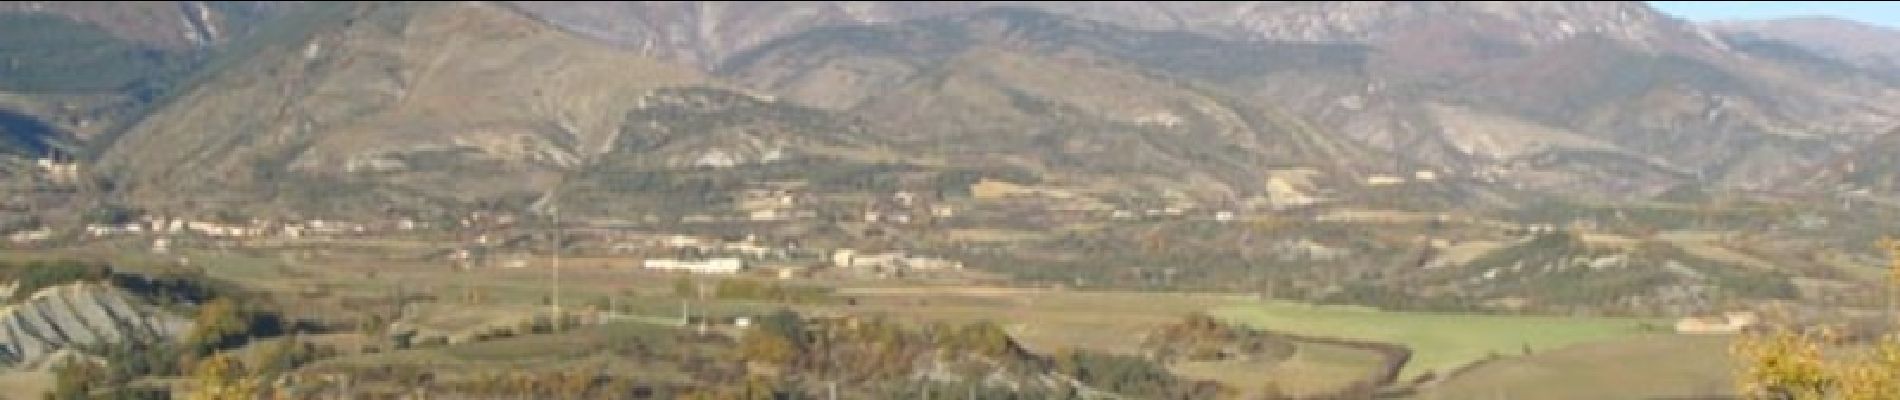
<point>555,301</point>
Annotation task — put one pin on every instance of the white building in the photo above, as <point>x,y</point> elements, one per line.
<point>60,172</point>
<point>1730,322</point>
<point>884,260</point>
<point>848,258</point>
<point>679,241</point>
<point>221,230</point>
<point>107,230</point>
<point>926,263</point>
<point>720,266</point>
<point>841,258</point>
<point>1383,180</point>
<point>766,215</point>
<point>748,249</point>
<point>30,235</point>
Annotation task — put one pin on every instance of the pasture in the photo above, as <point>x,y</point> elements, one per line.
<point>1440,342</point>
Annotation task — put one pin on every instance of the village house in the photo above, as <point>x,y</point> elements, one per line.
<point>766,215</point>
<point>847,258</point>
<point>1727,323</point>
<point>926,263</point>
<point>711,266</point>
<point>59,172</point>
<point>221,230</point>
<point>680,241</point>
<point>323,227</point>
<point>97,230</point>
<point>890,261</point>
<point>749,249</point>
<point>30,235</point>
<point>1383,180</point>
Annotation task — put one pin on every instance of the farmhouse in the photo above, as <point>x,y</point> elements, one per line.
<point>1731,322</point>
<point>30,235</point>
<point>926,263</point>
<point>847,258</point>
<point>714,266</point>
<point>1383,180</point>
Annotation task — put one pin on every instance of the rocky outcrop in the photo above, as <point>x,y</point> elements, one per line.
<point>63,317</point>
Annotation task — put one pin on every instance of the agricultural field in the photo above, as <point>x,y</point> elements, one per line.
<point>1047,320</point>
<point>1314,368</point>
<point>325,283</point>
<point>1440,342</point>
<point>1645,366</point>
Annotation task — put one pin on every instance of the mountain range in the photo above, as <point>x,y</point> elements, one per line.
<point>344,107</point>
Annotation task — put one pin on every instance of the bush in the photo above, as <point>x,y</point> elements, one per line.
<point>35,275</point>
<point>748,289</point>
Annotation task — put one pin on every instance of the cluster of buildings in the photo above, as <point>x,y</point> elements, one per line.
<point>59,172</point>
<point>1387,180</point>
<point>710,266</point>
<point>844,259</point>
<point>889,261</point>
<point>904,207</point>
<point>255,228</point>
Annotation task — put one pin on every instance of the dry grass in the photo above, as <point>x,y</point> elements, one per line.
<point>1707,245</point>
<point>1379,216</point>
<point>25,385</point>
<point>1314,369</point>
<point>1649,366</point>
<point>1043,320</point>
<point>1466,252</point>
<point>1046,321</point>
<point>993,235</point>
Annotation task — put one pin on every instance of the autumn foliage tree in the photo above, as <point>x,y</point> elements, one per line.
<point>1786,364</point>
<point>222,377</point>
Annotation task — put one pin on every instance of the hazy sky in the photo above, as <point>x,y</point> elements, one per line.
<point>1884,13</point>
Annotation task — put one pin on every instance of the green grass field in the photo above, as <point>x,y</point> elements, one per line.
<point>1440,342</point>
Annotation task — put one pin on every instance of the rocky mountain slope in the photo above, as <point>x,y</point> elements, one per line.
<point>78,314</point>
<point>85,71</point>
<point>1621,98</point>
<point>1068,98</point>
<point>708,33</point>
<point>159,24</point>
<point>425,105</point>
<point>1863,45</point>
<point>495,100</point>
